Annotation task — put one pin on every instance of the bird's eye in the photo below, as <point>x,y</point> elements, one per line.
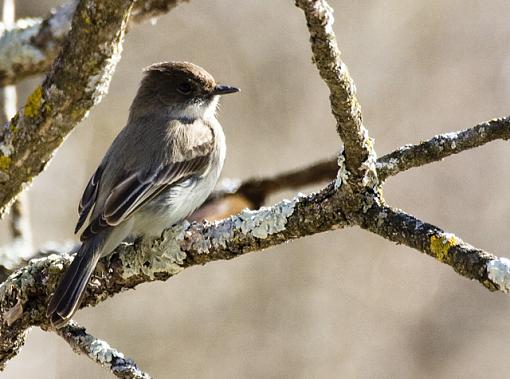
<point>185,88</point>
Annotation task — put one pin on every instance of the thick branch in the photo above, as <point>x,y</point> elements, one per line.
<point>359,154</point>
<point>24,296</point>
<point>233,196</point>
<point>31,45</point>
<point>402,228</point>
<point>100,352</point>
<point>78,80</point>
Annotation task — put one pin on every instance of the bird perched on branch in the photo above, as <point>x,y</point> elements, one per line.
<point>158,170</point>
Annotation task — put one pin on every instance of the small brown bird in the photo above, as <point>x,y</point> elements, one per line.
<point>158,170</point>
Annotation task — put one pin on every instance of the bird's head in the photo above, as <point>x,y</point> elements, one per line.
<point>183,87</point>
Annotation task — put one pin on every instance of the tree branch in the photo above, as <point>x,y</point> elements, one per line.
<point>442,146</point>
<point>233,197</point>
<point>100,352</point>
<point>359,153</point>
<point>30,46</point>
<point>78,80</point>
<point>24,295</point>
<point>402,228</point>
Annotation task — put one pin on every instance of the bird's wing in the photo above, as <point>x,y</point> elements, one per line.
<point>88,198</point>
<point>136,188</point>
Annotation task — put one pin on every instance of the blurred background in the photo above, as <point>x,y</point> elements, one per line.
<point>341,304</point>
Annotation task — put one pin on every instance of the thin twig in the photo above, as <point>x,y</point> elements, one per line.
<point>232,197</point>
<point>100,352</point>
<point>442,146</point>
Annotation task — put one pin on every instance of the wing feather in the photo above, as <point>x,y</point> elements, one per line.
<point>137,188</point>
<point>88,198</point>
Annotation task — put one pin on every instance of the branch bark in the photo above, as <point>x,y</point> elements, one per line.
<point>233,196</point>
<point>24,295</point>
<point>78,80</point>
<point>359,152</point>
<point>253,193</point>
<point>100,352</point>
<point>402,228</point>
<point>442,146</point>
<point>30,46</point>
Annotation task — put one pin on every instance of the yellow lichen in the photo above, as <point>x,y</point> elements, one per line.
<point>86,18</point>
<point>33,103</point>
<point>4,162</point>
<point>440,245</point>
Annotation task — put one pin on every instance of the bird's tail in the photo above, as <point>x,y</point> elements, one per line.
<point>67,296</point>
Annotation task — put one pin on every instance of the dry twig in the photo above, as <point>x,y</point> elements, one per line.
<point>100,352</point>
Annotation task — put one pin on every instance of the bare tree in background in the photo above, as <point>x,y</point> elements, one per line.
<point>80,63</point>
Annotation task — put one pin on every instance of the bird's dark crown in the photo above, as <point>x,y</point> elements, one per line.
<point>184,72</point>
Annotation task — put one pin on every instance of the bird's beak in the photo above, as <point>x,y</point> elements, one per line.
<point>222,89</point>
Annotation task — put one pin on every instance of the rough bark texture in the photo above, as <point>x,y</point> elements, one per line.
<point>442,146</point>
<point>100,352</point>
<point>402,228</point>
<point>79,78</point>
<point>30,47</point>
<point>24,295</point>
<point>359,153</point>
<point>19,220</point>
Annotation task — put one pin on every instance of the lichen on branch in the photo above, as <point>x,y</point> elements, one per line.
<point>24,295</point>
<point>78,80</point>
<point>359,150</point>
<point>100,352</point>
<point>30,46</point>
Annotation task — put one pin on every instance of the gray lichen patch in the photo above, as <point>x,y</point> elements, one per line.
<point>101,351</point>
<point>342,174</point>
<point>157,255</point>
<point>368,166</point>
<point>260,223</point>
<point>265,221</point>
<point>98,84</point>
<point>498,271</point>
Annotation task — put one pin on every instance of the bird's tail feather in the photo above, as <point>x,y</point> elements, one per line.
<point>68,294</point>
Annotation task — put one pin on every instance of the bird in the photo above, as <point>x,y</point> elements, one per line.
<point>159,169</point>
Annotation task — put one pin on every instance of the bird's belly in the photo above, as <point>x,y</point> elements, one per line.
<point>172,206</point>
